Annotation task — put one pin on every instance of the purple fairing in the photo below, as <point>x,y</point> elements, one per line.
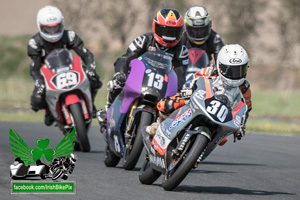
<point>172,84</point>
<point>133,85</point>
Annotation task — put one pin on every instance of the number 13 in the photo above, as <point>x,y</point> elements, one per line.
<point>157,83</point>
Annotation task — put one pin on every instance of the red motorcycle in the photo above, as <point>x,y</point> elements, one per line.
<point>68,94</point>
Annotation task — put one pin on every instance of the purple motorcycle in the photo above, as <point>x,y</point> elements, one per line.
<point>151,78</point>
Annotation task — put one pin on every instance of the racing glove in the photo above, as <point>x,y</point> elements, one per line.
<point>39,87</point>
<point>210,71</point>
<point>117,82</point>
<point>168,105</point>
<point>241,132</point>
<point>91,70</point>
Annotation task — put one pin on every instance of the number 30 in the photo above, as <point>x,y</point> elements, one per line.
<point>214,107</point>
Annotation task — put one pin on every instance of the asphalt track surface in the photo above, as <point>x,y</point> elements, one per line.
<point>260,166</point>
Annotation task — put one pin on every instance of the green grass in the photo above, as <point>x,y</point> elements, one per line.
<point>272,126</point>
<point>276,103</point>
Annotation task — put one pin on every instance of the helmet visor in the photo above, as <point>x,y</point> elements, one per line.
<point>198,32</point>
<point>52,29</point>
<point>168,33</point>
<point>234,72</point>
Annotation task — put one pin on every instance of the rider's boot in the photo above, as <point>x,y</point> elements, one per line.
<point>49,119</point>
<point>151,130</point>
<point>102,117</point>
<point>94,112</point>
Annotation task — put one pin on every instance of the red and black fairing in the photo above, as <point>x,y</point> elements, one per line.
<point>198,59</point>
<point>66,84</point>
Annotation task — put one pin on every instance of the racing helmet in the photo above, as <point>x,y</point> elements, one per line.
<point>167,27</point>
<point>50,23</point>
<point>197,23</point>
<point>73,157</point>
<point>232,64</point>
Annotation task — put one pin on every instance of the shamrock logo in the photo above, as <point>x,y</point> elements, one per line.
<point>42,144</point>
<point>20,148</point>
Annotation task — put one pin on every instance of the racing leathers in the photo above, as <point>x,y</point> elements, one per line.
<point>141,45</point>
<point>229,95</point>
<point>38,49</point>
<point>212,46</point>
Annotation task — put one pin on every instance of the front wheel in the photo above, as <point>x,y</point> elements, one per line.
<point>56,174</point>
<point>80,126</point>
<point>148,175</point>
<point>174,177</point>
<point>134,149</point>
<point>110,159</point>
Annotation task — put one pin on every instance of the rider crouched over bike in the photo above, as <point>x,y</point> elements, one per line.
<point>167,29</point>
<point>51,35</point>
<point>229,81</point>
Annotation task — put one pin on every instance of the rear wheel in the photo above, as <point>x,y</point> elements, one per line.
<point>80,126</point>
<point>110,159</point>
<point>174,177</point>
<point>134,148</point>
<point>148,175</point>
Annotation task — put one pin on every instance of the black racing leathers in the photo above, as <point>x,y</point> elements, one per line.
<point>146,42</point>
<point>212,46</point>
<point>38,49</point>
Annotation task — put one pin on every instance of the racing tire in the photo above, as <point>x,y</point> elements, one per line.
<point>110,159</point>
<point>148,175</point>
<point>172,181</point>
<point>131,156</point>
<point>80,127</point>
<point>56,174</point>
<point>43,176</point>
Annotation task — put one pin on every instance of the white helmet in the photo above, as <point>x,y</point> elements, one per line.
<point>197,23</point>
<point>73,157</point>
<point>233,63</point>
<point>50,23</point>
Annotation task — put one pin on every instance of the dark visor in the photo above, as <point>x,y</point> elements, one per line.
<point>168,31</point>
<point>198,32</point>
<point>58,28</point>
<point>234,72</point>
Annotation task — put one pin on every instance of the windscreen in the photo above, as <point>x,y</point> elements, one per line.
<point>59,59</point>
<point>158,59</point>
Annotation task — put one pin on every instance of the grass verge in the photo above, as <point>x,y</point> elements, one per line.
<point>265,125</point>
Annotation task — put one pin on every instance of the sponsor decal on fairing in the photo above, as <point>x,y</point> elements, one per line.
<point>181,118</point>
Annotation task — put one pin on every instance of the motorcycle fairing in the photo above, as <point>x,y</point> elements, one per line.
<point>133,88</point>
<point>199,107</point>
<point>53,93</point>
<point>133,85</point>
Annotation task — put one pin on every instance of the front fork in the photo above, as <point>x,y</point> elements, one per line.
<point>185,141</point>
<point>130,121</point>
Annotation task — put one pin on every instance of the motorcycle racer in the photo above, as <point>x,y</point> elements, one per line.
<point>51,35</point>
<point>198,32</point>
<point>167,29</point>
<point>229,81</point>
